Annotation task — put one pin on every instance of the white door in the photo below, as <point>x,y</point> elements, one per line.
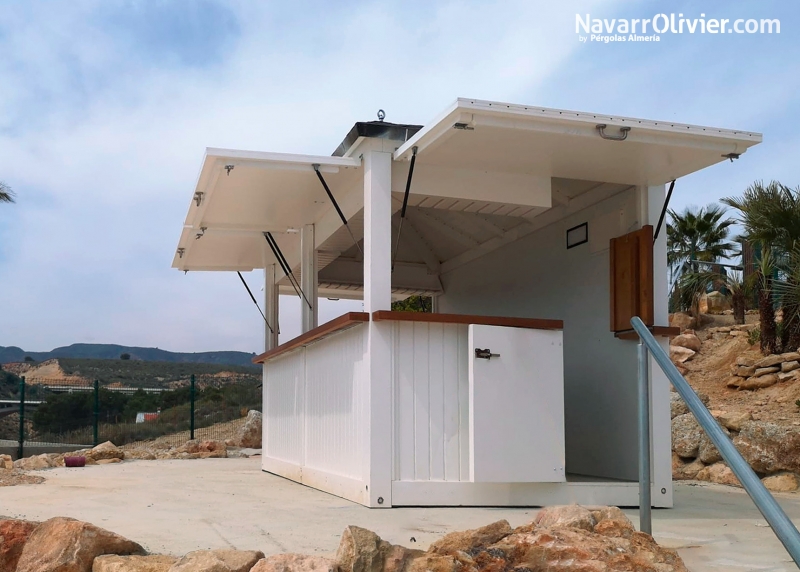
<point>516,405</point>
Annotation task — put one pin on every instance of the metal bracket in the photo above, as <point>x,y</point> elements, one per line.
<point>198,197</point>
<point>601,128</point>
<point>485,354</point>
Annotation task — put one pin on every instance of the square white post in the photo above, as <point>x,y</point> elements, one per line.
<point>660,424</point>
<point>308,278</point>
<point>270,308</point>
<point>378,296</point>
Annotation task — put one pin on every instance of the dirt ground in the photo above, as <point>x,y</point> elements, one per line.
<point>710,369</point>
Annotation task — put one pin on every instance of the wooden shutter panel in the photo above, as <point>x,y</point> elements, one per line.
<point>632,279</point>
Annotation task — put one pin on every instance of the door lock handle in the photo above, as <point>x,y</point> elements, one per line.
<point>485,354</point>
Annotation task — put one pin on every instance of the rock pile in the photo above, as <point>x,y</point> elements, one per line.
<point>108,453</point>
<point>773,451</point>
<point>249,434</point>
<point>565,538</point>
<point>765,372</point>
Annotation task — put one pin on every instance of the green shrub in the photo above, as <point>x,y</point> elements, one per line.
<point>754,336</point>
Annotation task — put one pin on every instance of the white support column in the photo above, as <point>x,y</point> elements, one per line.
<point>270,308</point>
<point>378,296</point>
<point>308,278</point>
<point>660,424</point>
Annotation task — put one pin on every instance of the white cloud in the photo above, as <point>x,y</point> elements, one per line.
<point>102,140</point>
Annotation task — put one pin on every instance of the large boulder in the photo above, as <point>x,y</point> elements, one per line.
<point>688,341</point>
<point>571,515</point>
<point>680,354</point>
<point>760,382</point>
<point>294,563</point>
<point>151,563</point>
<point>733,420</point>
<point>34,463</point>
<point>781,483</point>
<point>467,540</point>
<point>686,436</point>
<point>249,435</point>
<point>718,473</point>
<point>769,361</point>
<point>611,544</point>
<point>105,451</point>
<point>6,462</point>
<point>13,536</point>
<point>707,452</point>
<point>361,550</point>
<point>769,447</point>
<point>686,471</point>
<point>221,560</point>
<point>682,321</point>
<point>68,545</point>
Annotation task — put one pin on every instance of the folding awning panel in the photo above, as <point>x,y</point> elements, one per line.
<point>535,141</point>
<point>242,194</point>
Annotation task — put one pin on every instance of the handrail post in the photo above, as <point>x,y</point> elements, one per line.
<point>783,528</point>
<point>645,516</point>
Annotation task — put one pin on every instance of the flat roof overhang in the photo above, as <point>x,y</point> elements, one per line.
<point>477,156</point>
<point>500,137</point>
<point>242,194</point>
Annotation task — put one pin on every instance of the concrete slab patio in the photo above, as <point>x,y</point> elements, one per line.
<point>178,506</point>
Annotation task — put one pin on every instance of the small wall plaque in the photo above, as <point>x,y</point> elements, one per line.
<point>578,235</point>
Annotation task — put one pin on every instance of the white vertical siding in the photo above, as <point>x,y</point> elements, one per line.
<point>312,403</point>
<point>431,393</point>
<point>283,407</point>
<point>335,386</point>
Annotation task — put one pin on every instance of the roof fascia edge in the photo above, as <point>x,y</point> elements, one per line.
<point>292,158</point>
<point>431,131</point>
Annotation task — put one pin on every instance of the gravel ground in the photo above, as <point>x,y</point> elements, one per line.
<point>17,477</point>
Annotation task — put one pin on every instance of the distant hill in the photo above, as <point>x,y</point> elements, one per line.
<point>112,351</point>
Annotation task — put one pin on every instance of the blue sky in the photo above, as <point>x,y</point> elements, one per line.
<point>106,108</point>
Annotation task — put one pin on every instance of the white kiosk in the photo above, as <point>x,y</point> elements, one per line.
<point>532,229</point>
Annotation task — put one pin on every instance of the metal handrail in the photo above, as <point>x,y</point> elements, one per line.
<point>764,501</point>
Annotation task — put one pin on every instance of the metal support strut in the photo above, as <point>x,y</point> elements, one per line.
<point>336,206</point>
<point>253,298</point>
<point>405,203</point>
<point>664,210</point>
<point>287,270</point>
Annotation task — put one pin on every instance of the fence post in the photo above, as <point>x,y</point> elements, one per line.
<point>96,420</point>
<point>21,447</point>
<point>191,400</point>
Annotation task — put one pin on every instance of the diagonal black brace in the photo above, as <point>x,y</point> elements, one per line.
<point>336,206</point>
<point>287,270</point>
<point>664,210</point>
<point>405,203</point>
<point>253,298</point>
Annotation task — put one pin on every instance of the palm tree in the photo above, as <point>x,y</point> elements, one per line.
<point>6,194</point>
<point>698,235</point>
<point>770,215</point>
<point>694,284</point>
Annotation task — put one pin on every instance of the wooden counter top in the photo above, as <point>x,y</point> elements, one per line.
<point>531,323</point>
<point>342,322</point>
